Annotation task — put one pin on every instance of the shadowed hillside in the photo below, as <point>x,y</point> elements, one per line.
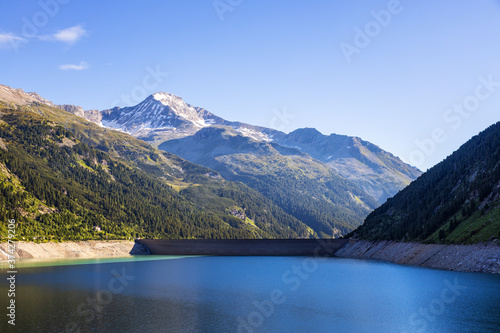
<point>456,201</point>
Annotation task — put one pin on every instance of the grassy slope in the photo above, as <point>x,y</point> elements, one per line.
<point>480,227</point>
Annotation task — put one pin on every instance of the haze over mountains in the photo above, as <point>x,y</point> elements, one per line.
<point>325,183</point>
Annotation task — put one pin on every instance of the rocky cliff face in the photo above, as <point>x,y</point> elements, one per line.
<point>20,97</point>
<point>76,110</point>
<point>79,249</point>
<point>94,116</point>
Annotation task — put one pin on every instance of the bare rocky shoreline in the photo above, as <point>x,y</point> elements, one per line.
<point>77,249</point>
<point>483,258</point>
<point>467,258</point>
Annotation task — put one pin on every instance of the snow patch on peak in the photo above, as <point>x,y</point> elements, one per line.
<point>253,134</point>
<point>167,98</point>
<point>176,105</point>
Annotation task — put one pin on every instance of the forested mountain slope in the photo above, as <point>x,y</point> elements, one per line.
<point>456,201</point>
<point>60,176</point>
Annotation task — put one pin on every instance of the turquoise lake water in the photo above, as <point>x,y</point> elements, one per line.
<point>247,294</point>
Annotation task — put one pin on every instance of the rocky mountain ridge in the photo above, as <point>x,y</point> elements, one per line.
<point>162,117</point>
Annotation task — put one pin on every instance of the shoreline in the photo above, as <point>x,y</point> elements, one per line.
<point>482,258</point>
<point>478,258</point>
<point>72,249</point>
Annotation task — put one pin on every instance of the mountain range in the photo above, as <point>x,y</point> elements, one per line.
<point>166,169</point>
<point>304,172</point>
<point>162,117</point>
<point>307,184</point>
<point>61,176</point>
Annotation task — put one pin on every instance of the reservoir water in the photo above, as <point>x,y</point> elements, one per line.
<point>249,294</point>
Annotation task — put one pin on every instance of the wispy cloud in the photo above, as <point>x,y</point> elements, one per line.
<point>9,40</point>
<point>69,36</point>
<point>71,67</point>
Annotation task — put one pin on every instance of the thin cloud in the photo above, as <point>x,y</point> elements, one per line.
<point>9,40</point>
<point>71,67</point>
<point>68,36</point>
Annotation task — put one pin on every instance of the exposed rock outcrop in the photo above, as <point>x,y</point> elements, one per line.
<point>79,249</point>
<point>467,258</point>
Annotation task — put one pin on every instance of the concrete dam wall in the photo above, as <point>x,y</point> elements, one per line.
<point>243,247</point>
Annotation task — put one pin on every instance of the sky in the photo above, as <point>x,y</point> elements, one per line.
<point>417,78</point>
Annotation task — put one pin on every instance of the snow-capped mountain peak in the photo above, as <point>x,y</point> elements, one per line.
<point>168,99</point>
<point>180,108</point>
<point>162,112</point>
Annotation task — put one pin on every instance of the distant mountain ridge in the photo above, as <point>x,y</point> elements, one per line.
<point>20,97</point>
<point>300,184</point>
<point>161,112</point>
<point>378,172</point>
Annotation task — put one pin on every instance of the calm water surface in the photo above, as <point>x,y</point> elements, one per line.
<point>249,294</point>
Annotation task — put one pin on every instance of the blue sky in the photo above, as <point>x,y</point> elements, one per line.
<point>417,78</point>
